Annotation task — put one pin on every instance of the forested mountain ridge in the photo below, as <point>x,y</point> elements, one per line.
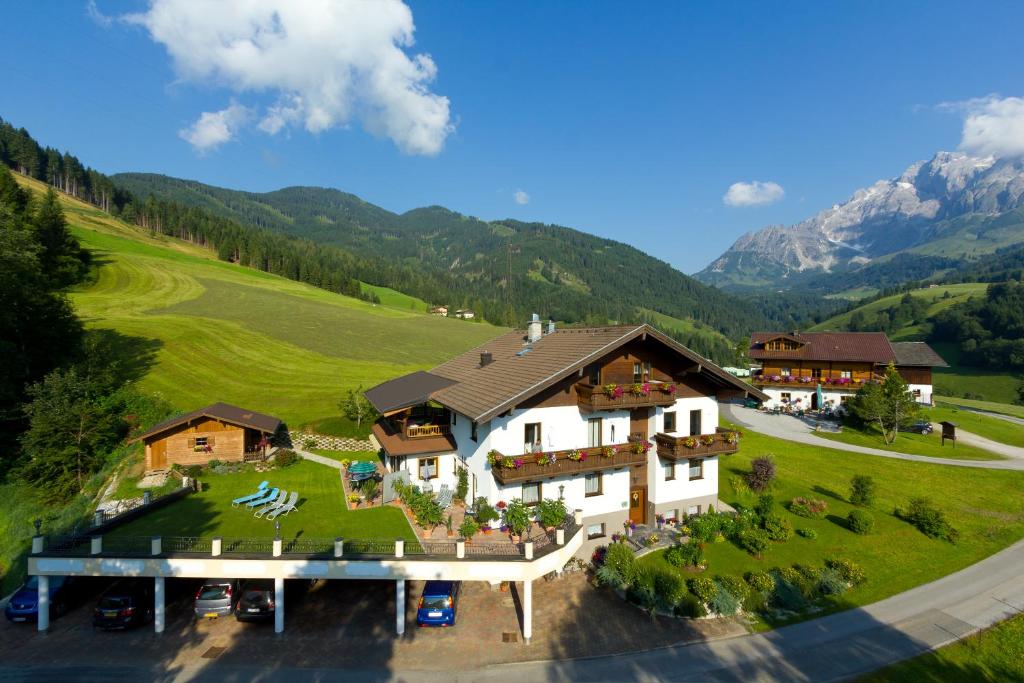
<point>519,267</point>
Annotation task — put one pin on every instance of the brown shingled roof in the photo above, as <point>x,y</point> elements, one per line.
<point>869,347</point>
<point>917,354</point>
<point>220,411</point>
<point>518,371</point>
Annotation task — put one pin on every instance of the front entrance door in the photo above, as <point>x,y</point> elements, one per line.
<point>638,505</point>
<point>158,455</point>
<point>814,401</point>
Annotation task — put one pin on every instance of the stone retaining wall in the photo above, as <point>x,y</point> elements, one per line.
<point>331,443</point>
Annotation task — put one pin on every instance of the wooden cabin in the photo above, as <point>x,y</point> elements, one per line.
<point>217,432</point>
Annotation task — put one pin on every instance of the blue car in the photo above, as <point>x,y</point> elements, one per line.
<point>439,603</point>
<point>24,605</point>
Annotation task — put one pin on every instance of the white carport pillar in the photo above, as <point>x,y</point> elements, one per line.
<point>43,591</point>
<point>527,610</point>
<point>158,604</point>
<point>278,605</point>
<point>400,606</point>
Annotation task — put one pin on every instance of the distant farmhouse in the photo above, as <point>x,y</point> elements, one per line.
<point>439,310</point>
<point>815,369</point>
<point>465,314</point>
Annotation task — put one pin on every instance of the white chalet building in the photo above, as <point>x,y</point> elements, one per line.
<point>621,422</point>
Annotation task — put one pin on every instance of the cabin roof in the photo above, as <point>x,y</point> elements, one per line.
<point>518,370</point>
<point>225,412</point>
<point>917,354</point>
<point>867,347</point>
<point>405,391</point>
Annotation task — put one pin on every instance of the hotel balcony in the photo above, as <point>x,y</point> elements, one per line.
<point>512,469</point>
<point>722,442</point>
<point>625,396</point>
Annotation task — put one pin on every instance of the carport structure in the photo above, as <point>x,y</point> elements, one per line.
<point>360,559</point>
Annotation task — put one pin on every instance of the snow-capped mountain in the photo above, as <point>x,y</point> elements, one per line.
<point>915,209</point>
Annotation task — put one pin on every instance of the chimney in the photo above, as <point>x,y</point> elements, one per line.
<point>534,330</point>
<point>486,358</point>
<point>551,326</point>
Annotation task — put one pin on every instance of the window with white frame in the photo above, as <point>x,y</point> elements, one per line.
<point>785,396</point>
<point>428,468</point>
<point>531,438</point>
<point>846,374</point>
<point>670,421</point>
<point>693,510</point>
<point>593,484</point>
<point>593,432</point>
<point>786,372</point>
<point>531,493</point>
<point>595,531</point>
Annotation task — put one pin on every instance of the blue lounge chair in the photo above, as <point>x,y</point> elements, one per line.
<point>266,498</point>
<point>260,490</point>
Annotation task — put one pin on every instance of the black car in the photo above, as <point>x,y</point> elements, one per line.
<point>919,427</point>
<point>257,601</point>
<point>124,605</point>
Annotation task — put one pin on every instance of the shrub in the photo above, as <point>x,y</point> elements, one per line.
<point>850,571</point>
<point>777,528</point>
<point>762,473</point>
<point>740,487</point>
<point>755,602</point>
<point>787,596</point>
<point>193,471</point>
<point>551,512</point>
<point>790,575</point>
<point>736,586</point>
<point>831,582</point>
<point>690,606</point>
<point>724,602</point>
<point>286,458</point>
<point>685,555</point>
<point>485,514</point>
<point>760,582</point>
<point>809,577</point>
<point>462,487</point>
<point>214,464</point>
<point>669,588</point>
<point>808,507</point>
<point>309,443</point>
<point>808,533</point>
<point>369,489</point>
<point>468,528</point>
<point>754,541</point>
<point>621,562</point>
<point>765,505</point>
<point>862,490</point>
<point>517,516</point>
<point>703,587</point>
<point>929,520</point>
<point>860,521</point>
<point>704,528</point>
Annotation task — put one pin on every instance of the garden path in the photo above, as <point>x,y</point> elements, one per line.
<point>793,429</point>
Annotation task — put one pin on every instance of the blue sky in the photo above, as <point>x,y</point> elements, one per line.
<point>625,123</point>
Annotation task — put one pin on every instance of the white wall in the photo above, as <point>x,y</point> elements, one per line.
<point>663,491</point>
<point>445,470</point>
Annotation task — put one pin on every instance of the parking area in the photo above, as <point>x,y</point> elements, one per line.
<point>339,624</point>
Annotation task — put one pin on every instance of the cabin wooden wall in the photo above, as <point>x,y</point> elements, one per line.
<point>177,444</point>
<point>803,368</point>
<point>915,375</point>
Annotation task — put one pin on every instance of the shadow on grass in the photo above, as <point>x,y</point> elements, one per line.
<point>838,521</point>
<point>822,491</point>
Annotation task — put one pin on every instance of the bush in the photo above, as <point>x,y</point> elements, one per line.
<point>736,586</point>
<point>760,582</point>
<point>808,533</point>
<point>551,512</point>
<point>762,473</point>
<point>811,508</point>
<point>309,443</point>
<point>703,587</point>
<point>641,589</point>
<point>929,520</point>
<point>850,571</point>
<point>669,589</point>
<point>790,575</point>
<point>862,490</point>
<point>286,458</point>
<point>690,606</point>
<point>860,521</point>
<point>787,596</point>
<point>485,514</point>
<point>777,528</point>
<point>765,505</point>
<point>214,464</point>
<point>468,528</point>
<point>193,471</point>
<point>755,602</point>
<point>724,602</point>
<point>704,528</point>
<point>462,487</point>
<point>831,582</point>
<point>809,577</point>
<point>685,555</point>
<point>621,562</point>
<point>754,541</point>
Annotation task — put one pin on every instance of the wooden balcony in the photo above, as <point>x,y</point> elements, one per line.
<point>511,469</point>
<point>722,442</point>
<point>625,396</point>
<point>426,430</point>
<point>811,383</point>
<point>397,440</point>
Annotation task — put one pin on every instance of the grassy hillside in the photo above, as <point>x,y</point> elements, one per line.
<point>202,330</point>
<point>933,295</point>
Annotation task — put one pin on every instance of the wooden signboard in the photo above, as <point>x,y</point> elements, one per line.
<point>948,432</point>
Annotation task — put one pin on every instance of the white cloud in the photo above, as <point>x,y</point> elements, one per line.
<point>521,197</point>
<point>214,128</point>
<point>94,13</point>
<point>753,193</point>
<point>993,125</point>
<point>325,63</point>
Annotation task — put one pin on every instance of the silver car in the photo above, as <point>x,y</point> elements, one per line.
<point>216,598</point>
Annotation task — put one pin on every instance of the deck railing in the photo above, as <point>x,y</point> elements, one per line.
<point>419,431</point>
<point>508,469</point>
<point>624,396</point>
<point>722,442</point>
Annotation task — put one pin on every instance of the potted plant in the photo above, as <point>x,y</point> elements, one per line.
<point>637,389</point>
<point>551,513</point>
<point>517,517</point>
<point>370,491</point>
<point>430,517</point>
<point>448,526</point>
<point>353,499</point>
<point>576,455</point>
<point>608,451</point>
<point>609,390</point>
<point>468,528</point>
<point>707,439</point>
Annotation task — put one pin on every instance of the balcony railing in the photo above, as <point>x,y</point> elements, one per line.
<point>508,469</point>
<point>419,431</point>
<point>624,396</point>
<point>721,442</point>
<point>812,382</point>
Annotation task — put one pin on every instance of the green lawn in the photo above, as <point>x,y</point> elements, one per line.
<point>978,383</point>
<point>989,427</point>
<point>991,406</point>
<point>985,505</point>
<point>128,487</point>
<point>995,655</point>
<point>370,456</point>
<point>199,330</point>
<point>321,512</point>
<point>915,444</point>
<point>933,295</point>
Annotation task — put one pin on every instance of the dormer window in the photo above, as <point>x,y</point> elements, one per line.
<point>641,371</point>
